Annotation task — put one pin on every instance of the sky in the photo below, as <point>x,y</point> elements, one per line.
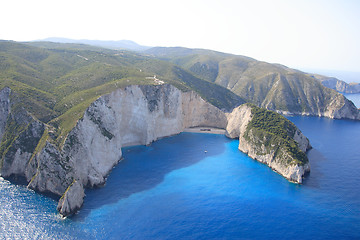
<point>303,34</point>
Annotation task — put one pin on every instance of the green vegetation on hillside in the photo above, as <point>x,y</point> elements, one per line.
<point>271,86</point>
<point>55,82</point>
<point>12,130</point>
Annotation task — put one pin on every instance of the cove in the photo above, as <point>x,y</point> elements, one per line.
<point>172,189</point>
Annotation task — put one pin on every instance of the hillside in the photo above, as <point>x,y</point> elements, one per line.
<point>56,82</point>
<point>272,86</point>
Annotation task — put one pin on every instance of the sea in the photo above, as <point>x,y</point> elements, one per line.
<point>200,186</point>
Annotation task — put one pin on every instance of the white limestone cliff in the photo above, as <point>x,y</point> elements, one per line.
<point>136,115</point>
<point>72,199</point>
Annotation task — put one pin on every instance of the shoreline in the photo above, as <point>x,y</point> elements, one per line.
<point>205,130</point>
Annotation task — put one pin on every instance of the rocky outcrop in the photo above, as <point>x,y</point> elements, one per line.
<point>16,156</point>
<point>53,172</point>
<point>283,151</point>
<point>72,199</point>
<point>20,134</point>
<point>340,107</point>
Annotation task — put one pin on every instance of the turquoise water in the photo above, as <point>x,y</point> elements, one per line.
<point>174,190</point>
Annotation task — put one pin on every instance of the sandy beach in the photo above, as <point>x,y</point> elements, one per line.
<point>205,130</point>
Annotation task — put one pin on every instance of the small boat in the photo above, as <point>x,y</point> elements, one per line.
<point>205,151</point>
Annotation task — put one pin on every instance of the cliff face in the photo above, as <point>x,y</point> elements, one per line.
<point>340,107</point>
<point>283,149</point>
<point>136,115</point>
<point>4,109</point>
<point>19,134</point>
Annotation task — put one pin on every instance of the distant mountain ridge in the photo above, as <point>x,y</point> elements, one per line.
<point>116,45</point>
<point>272,86</point>
<point>52,78</point>
<point>336,84</point>
<point>165,52</point>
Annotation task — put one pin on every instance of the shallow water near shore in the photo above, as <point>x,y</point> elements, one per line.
<point>173,189</point>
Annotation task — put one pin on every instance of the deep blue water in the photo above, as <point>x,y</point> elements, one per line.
<point>174,190</point>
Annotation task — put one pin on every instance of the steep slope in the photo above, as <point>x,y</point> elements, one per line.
<point>57,82</point>
<point>59,70</point>
<point>272,86</point>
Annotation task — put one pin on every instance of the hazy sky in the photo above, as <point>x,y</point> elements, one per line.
<point>317,34</point>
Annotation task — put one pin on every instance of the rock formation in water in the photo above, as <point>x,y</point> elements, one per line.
<point>271,139</point>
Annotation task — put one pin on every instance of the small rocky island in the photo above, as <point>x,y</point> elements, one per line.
<point>271,139</point>
<point>134,115</point>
